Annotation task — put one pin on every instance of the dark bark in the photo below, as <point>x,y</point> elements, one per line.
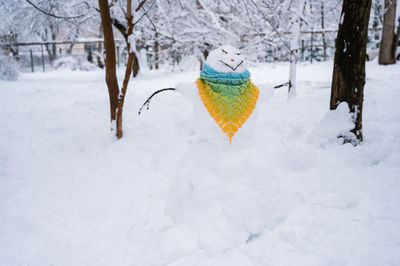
<point>349,65</point>
<point>135,67</point>
<point>388,45</point>
<point>111,77</point>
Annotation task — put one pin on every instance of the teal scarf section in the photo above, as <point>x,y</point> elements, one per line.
<point>226,84</point>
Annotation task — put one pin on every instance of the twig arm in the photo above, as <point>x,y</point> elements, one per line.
<point>282,85</point>
<point>147,102</point>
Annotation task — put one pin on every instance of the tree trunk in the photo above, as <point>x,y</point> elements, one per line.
<point>131,60</point>
<point>349,65</point>
<point>156,52</point>
<point>111,77</point>
<point>135,67</point>
<point>150,60</point>
<point>386,53</point>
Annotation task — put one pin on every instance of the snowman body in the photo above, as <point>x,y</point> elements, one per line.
<point>212,167</point>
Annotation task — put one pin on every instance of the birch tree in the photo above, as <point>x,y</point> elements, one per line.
<point>294,45</point>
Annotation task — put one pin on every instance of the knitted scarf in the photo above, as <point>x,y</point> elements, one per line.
<point>230,98</point>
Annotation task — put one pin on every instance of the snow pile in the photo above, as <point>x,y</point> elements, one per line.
<point>74,64</point>
<point>8,67</point>
<point>335,125</point>
<point>70,194</point>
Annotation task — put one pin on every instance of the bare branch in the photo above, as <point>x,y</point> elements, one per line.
<point>56,16</point>
<point>145,13</point>
<point>271,24</point>
<point>140,5</point>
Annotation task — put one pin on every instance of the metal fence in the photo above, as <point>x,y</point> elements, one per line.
<point>40,56</point>
<point>316,45</point>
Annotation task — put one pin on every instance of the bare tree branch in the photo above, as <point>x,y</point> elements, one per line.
<point>271,24</point>
<point>145,13</point>
<point>56,16</point>
<point>140,5</point>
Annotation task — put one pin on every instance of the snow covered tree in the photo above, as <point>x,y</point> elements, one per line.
<point>349,65</point>
<point>387,51</point>
<point>52,18</point>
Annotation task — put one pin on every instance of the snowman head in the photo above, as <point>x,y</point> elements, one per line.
<point>226,59</point>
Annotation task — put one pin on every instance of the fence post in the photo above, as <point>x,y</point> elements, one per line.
<point>41,47</point>
<point>118,57</point>
<point>30,51</point>
<point>302,50</point>
<point>312,45</point>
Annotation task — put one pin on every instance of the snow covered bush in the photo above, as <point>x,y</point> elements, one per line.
<point>73,63</point>
<point>8,67</point>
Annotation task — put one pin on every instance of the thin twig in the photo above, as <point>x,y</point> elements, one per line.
<point>147,102</point>
<point>271,24</point>
<point>145,13</point>
<point>140,5</point>
<point>282,85</point>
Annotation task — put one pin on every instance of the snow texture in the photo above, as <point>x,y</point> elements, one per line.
<point>71,194</point>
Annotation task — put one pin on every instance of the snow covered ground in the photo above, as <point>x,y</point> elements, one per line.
<point>70,194</point>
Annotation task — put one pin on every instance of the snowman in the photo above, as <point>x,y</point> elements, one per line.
<point>219,157</point>
<point>224,100</point>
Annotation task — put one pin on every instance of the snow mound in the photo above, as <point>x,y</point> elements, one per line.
<point>334,126</point>
<point>74,64</point>
<point>8,67</point>
<point>220,197</point>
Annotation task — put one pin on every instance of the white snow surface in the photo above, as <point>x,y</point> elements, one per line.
<point>71,194</point>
